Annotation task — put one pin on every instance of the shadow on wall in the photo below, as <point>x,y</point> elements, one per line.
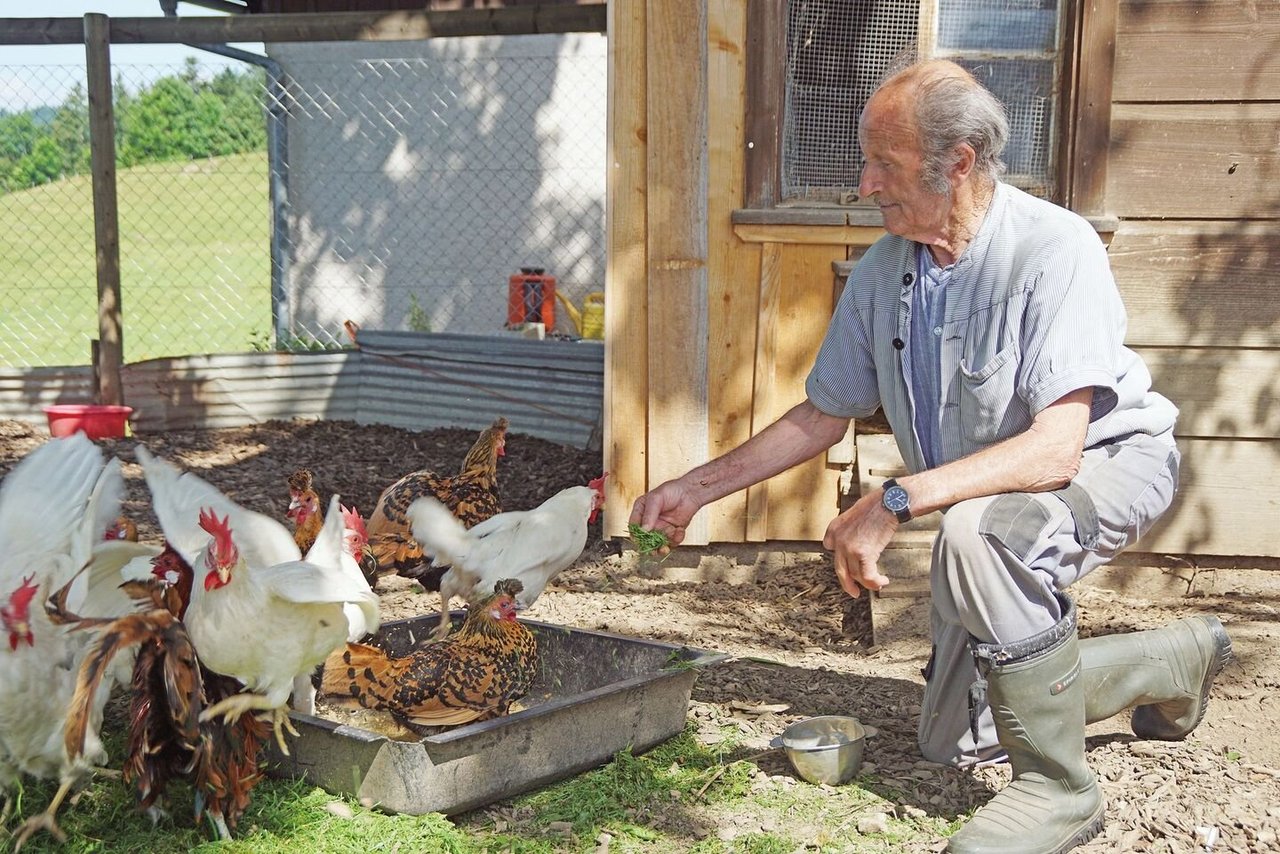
<point>423,174</point>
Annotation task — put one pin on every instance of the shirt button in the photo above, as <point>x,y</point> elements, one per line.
<point>937,330</point>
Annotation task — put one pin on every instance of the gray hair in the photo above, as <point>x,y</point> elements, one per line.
<point>954,108</point>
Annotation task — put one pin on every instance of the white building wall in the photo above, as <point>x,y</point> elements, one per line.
<point>432,171</point>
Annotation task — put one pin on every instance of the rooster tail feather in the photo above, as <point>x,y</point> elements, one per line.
<point>358,672</point>
<point>441,535</point>
<point>119,635</point>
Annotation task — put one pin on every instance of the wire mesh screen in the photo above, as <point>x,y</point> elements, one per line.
<point>393,186</point>
<point>838,50</point>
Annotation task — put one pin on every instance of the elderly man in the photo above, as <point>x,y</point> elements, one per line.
<point>989,328</point>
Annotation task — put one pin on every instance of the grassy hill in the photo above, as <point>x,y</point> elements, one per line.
<point>194,259</point>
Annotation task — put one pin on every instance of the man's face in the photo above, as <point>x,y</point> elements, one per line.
<point>893,174</point>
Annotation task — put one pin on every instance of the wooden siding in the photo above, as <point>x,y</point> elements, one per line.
<point>1190,50</point>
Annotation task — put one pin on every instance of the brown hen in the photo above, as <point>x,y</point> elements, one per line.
<point>304,511</point>
<point>170,688</point>
<point>471,496</point>
<point>474,675</point>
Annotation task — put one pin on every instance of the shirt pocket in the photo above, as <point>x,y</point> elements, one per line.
<point>985,395</point>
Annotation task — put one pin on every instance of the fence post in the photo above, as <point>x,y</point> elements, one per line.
<point>106,224</point>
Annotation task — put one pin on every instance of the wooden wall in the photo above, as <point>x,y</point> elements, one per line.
<point>712,327</point>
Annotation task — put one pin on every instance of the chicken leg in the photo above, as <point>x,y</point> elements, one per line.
<point>236,705</point>
<point>44,820</point>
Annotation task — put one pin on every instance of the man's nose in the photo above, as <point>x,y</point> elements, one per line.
<point>868,183</point>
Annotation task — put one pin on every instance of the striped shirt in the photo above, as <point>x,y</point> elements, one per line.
<point>1032,313</point>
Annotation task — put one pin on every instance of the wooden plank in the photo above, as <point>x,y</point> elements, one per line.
<point>764,408</point>
<point>732,307</point>
<point>1228,501</point>
<point>626,349</point>
<point>765,56</point>
<point>325,27</point>
<point>816,235</point>
<point>1199,284</point>
<point>1090,129</point>
<point>1198,160</point>
<point>1188,50</point>
<point>803,500</point>
<point>109,350</point>
<point>1220,393</point>
<point>677,248</point>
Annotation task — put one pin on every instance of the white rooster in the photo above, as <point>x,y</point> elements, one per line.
<point>530,545</point>
<point>260,611</point>
<point>54,506</point>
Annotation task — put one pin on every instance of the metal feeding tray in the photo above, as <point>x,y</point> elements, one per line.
<point>596,694</point>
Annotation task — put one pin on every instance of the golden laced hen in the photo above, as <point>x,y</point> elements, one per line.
<point>474,675</point>
<point>304,512</point>
<point>471,496</point>
<point>170,688</point>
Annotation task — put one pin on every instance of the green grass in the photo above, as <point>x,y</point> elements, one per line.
<point>648,803</point>
<point>194,261</point>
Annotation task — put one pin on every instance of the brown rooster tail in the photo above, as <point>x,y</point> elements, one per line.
<point>358,672</point>
<point>119,635</point>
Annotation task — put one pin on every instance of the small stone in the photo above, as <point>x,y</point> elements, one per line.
<point>340,809</point>
<point>875,823</point>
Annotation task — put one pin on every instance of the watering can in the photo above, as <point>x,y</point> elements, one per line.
<point>590,321</point>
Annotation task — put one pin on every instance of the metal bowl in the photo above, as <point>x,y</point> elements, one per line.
<point>826,749</point>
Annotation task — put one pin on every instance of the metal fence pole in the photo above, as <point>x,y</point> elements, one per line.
<point>106,224</point>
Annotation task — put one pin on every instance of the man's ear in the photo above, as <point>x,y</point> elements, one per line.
<point>962,165</point>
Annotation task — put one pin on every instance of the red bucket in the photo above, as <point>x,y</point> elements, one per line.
<point>97,421</point>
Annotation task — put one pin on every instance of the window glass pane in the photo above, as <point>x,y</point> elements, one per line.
<point>1026,88</point>
<point>998,25</point>
<point>837,51</point>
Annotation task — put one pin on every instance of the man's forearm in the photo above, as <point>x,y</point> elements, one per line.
<point>801,433</point>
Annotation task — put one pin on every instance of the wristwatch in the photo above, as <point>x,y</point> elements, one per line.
<point>896,500</point>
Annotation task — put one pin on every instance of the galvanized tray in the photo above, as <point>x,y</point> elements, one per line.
<point>596,694</point>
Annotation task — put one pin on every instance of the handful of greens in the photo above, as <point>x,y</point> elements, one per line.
<point>646,541</point>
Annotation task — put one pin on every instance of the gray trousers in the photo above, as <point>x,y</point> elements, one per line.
<point>998,559</point>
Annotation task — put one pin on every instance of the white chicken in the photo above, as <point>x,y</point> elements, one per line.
<point>54,506</point>
<point>530,545</point>
<point>259,611</point>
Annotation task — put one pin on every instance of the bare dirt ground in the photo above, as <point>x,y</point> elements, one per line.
<point>781,617</point>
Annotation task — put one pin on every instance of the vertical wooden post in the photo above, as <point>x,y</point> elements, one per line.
<point>1087,182</point>
<point>676,77</point>
<point>106,225</point>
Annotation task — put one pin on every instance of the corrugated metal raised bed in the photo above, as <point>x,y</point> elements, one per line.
<point>596,694</point>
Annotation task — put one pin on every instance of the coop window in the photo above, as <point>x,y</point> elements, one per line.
<point>829,55</point>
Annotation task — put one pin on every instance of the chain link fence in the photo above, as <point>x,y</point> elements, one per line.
<point>275,203</point>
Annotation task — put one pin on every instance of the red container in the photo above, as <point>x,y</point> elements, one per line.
<point>97,421</point>
<point>531,298</point>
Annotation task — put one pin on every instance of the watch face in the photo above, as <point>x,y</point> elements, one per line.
<point>895,499</point>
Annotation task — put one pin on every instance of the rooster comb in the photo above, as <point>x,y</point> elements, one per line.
<point>219,528</point>
<point>300,480</point>
<point>353,521</point>
<point>598,483</point>
<point>21,598</point>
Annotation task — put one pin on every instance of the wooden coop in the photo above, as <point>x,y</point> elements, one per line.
<point>1162,133</point>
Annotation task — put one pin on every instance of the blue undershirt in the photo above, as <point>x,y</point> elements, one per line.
<point>928,309</point>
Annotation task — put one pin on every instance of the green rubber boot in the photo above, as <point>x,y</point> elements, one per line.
<point>1037,698</point>
<point>1165,672</point>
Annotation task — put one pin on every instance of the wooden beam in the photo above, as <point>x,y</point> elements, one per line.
<point>1091,138</point>
<point>824,235</point>
<point>766,58</point>
<point>732,304</point>
<point>326,27</point>
<point>95,32</point>
<point>626,347</point>
<point>677,229</point>
<point>763,406</point>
